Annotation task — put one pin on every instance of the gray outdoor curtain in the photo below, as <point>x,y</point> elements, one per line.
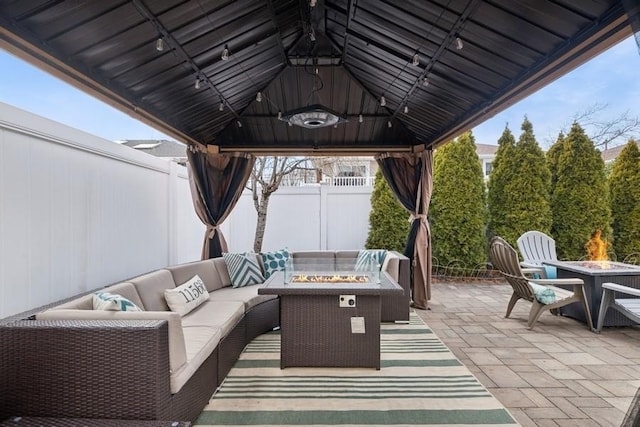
<point>410,176</point>
<point>216,182</point>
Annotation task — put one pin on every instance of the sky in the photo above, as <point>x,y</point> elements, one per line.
<point>611,79</point>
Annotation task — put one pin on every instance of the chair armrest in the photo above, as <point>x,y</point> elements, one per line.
<point>620,288</point>
<point>525,264</point>
<point>533,270</point>
<point>555,282</point>
<point>85,368</point>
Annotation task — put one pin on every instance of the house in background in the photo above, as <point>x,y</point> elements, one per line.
<point>486,153</point>
<point>609,155</point>
<point>169,150</point>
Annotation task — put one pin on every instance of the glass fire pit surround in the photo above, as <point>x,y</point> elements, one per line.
<point>330,271</point>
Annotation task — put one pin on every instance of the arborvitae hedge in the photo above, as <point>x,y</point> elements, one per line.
<point>552,160</point>
<point>624,187</point>
<point>497,197</point>
<point>527,189</point>
<point>457,211</point>
<point>388,220</point>
<point>580,202</point>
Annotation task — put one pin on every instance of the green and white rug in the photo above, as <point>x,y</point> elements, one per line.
<point>421,383</point>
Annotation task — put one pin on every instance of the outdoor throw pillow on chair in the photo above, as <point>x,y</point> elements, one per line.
<point>543,294</point>
<point>187,296</point>
<point>113,302</point>
<point>367,257</point>
<point>243,269</point>
<point>274,261</point>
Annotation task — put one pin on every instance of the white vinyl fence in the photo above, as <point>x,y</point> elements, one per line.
<point>78,212</point>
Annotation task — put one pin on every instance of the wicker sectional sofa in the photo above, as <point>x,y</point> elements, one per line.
<point>68,360</point>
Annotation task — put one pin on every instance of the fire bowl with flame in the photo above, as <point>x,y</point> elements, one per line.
<point>328,278</point>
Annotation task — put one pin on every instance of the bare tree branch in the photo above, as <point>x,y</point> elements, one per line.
<point>606,132</point>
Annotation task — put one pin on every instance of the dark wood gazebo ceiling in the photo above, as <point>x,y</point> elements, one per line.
<point>363,50</point>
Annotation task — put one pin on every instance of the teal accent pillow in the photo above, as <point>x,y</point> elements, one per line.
<point>243,269</point>
<point>274,261</point>
<point>543,294</point>
<point>113,302</point>
<point>368,256</point>
<point>551,271</point>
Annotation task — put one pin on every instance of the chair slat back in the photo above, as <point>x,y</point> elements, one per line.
<point>536,247</point>
<point>505,259</point>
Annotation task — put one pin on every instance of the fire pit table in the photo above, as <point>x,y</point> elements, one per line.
<point>329,320</point>
<point>594,274</point>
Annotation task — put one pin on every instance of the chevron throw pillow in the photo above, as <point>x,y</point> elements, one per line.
<point>368,258</point>
<point>113,302</point>
<point>243,269</point>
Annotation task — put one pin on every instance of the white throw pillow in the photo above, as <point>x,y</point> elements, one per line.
<point>187,296</point>
<point>113,302</point>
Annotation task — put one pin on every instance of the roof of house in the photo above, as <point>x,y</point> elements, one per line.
<point>486,149</point>
<point>194,69</point>
<point>612,153</point>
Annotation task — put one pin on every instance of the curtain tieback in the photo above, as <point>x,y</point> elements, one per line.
<point>413,217</point>
<point>211,230</point>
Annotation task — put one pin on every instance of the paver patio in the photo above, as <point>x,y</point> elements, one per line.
<point>558,374</point>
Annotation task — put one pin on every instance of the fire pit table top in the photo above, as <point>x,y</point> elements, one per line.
<point>275,285</point>
<point>597,268</point>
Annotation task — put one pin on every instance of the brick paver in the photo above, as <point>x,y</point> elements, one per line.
<point>558,374</point>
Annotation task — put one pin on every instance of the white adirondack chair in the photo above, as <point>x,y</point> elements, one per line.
<point>535,248</point>
<point>629,307</point>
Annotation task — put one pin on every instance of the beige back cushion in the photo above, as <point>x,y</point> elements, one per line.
<point>81,303</point>
<point>151,288</point>
<point>223,271</point>
<point>314,254</point>
<point>204,269</point>
<point>391,265</point>
<point>126,290</point>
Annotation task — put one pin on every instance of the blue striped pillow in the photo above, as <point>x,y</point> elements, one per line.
<point>367,258</point>
<point>243,269</point>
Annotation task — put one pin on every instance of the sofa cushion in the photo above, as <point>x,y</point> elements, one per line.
<point>206,270</point>
<point>247,295</point>
<point>177,352</point>
<point>243,269</point>
<point>187,296</point>
<point>391,265</point>
<point>274,261</point>
<point>223,271</point>
<point>112,302</point>
<point>216,314</point>
<point>151,288</point>
<point>200,342</point>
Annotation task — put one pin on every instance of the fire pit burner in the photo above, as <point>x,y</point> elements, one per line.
<point>329,278</point>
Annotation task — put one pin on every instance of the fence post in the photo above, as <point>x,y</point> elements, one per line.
<point>172,213</point>
<point>323,216</point>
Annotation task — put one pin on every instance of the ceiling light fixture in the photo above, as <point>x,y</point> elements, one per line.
<point>416,60</point>
<point>259,97</point>
<point>197,84</point>
<point>383,101</point>
<point>225,53</point>
<point>160,44</point>
<point>312,117</point>
<point>459,43</point>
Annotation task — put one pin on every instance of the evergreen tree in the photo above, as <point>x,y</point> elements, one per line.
<point>528,206</point>
<point>388,220</point>
<point>580,202</point>
<point>552,160</point>
<point>457,211</point>
<point>497,197</point>
<point>624,187</point>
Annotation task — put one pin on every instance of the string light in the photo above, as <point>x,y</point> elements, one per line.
<point>279,115</point>
<point>335,126</point>
<point>425,82</point>
<point>406,109</point>
<point>239,123</point>
<point>389,125</point>
<point>225,53</point>
<point>259,97</point>
<point>160,44</point>
<point>197,84</point>
<point>383,101</point>
<point>221,107</point>
<point>459,43</point>
<point>313,3</point>
<point>360,118</point>
<point>416,60</point>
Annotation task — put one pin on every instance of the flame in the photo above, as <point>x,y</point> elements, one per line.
<point>597,248</point>
<point>304,278</point>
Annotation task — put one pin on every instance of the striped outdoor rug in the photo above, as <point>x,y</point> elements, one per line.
<point>421,383</point>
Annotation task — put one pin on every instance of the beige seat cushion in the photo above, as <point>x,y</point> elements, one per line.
<point>200,342</point>
<point>246,294</point>
<point>151,288</point>
<point>216,314</point>
<point>391,265</point>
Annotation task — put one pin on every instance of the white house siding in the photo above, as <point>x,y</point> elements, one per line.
<point>78,212</point>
